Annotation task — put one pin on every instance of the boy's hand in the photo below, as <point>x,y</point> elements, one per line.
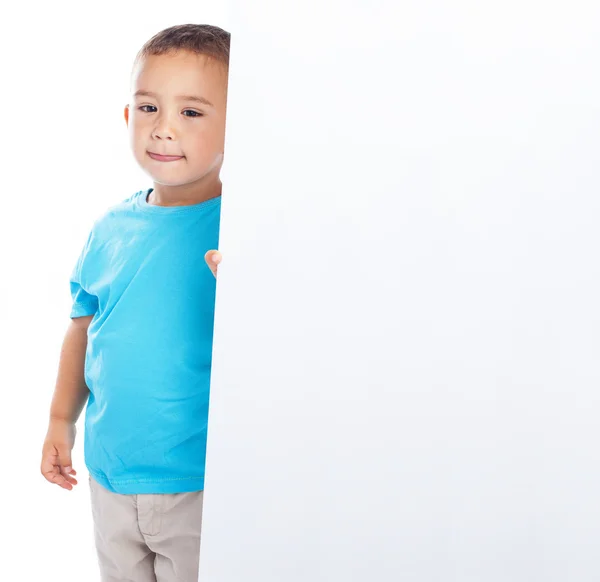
<point>213,258</point>
<point>56,454</point>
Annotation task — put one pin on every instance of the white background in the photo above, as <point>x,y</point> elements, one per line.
<point>405,383</point>
<point>65,159</point>
<point>405,376</point>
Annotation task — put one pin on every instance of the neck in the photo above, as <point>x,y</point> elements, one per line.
<point>187,194</point>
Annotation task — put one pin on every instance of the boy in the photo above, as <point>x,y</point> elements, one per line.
<point>139,346</point>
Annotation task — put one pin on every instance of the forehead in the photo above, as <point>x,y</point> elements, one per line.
<point>181,72</point>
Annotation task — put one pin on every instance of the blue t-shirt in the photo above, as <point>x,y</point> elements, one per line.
<point>143,276</point>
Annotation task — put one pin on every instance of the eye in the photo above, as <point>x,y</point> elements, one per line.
<point>141,108</point>
<point>195,113</point>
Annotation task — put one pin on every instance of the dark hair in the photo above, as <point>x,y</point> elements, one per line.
<point>201,39</point>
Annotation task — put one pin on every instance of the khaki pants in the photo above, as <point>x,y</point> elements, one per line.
<point>147,538</point>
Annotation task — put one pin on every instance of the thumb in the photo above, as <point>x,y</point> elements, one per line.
<point>64,458</point>
<point>213,258</point>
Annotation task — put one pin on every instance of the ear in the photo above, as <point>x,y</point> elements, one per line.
<point>126,113</point>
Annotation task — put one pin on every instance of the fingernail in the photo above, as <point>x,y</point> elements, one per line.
<point>68,469</point>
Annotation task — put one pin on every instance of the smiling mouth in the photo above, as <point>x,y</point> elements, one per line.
<point>162,158</point>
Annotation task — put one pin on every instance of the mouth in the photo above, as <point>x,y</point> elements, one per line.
<point>163,158</point>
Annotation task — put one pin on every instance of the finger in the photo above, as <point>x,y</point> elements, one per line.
<point>54,476</point>
<point>62,482</point>
<point>64,458</point>
<point>48,466</point>
<point>68,476</point>
<point>213,258</point>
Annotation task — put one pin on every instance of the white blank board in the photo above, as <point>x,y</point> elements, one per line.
<point>406,362</point>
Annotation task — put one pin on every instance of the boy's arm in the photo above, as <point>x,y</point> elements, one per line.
<point>71,392</point>
<point>70,396</point>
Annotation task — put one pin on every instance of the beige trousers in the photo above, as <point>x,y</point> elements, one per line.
<point>147,538</point>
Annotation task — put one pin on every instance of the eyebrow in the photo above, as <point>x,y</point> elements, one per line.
<point>202,100</point>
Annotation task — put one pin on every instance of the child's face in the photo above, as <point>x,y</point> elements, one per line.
<point>168,116</point>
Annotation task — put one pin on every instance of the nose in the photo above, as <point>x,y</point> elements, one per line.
<point>164,128</point>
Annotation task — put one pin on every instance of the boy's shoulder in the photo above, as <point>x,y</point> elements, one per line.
<point>118,209</point>
<point>113,220</point>
<point>126,204</point>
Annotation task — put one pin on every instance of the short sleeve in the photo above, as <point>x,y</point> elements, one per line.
<point>84,303</point>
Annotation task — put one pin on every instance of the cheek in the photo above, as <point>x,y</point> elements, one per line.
<point>213,137</point>
<point>136,133</point>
